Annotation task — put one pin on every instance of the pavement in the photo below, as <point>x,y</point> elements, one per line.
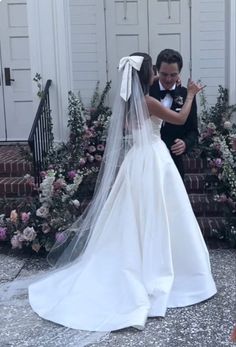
<point>207,324</point>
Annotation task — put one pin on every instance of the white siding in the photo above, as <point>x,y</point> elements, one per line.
<point>88,46</point>
<point>88,42</point>
<point>212,46</point>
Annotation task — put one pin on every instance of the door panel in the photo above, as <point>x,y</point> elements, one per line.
<point>169,27</point>
<point>2,111</point>
<point>17,95</point>
<point>146,26</point>
<point>127,32</point>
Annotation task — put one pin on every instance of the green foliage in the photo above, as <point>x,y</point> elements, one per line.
<point>218,144</point>
<point>37,78</point>
<point>68,182</point>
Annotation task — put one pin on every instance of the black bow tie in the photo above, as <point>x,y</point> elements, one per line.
<point>164,92</point>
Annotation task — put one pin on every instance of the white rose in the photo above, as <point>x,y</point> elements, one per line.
<point>76,203</point>
<point>29,234</point>
<point>227,125</point>
<point>42,212</point>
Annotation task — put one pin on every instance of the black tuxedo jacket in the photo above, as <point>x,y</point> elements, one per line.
<point>188,132</point>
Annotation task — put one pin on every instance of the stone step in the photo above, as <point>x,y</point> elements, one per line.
<point>194,165</point>
<point>211,225</point>
<point>195,182</point>
<point>204,205</point>
<point>13,163</point>
<point>14,187</point>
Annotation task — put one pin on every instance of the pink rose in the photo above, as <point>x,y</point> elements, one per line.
<point>88,134</point>
<point>25,217</point>
<point>218,162</point>
<point>82,161</point>
<point>92,149</point>
<point>15,241</point>
<point>59,184</point>
<point>217,146</point>
<point>43,174</point>
<point>234,144</point>
<point>98,157</point>
<point>233,334</point>
<point>29,234</point>
<point>71,174</point>
<point>42,212</point>
<point>60,237</point>
<point>3,234</point>
<point>45,228</point>
<point>100,148</point>
<point>223,198</point>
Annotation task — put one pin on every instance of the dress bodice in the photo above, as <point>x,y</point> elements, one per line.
<point>156,125</point>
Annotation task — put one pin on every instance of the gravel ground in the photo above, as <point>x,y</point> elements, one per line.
<point>207,324</point>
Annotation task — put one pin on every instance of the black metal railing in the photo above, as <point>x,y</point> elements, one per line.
<point>41,135</point>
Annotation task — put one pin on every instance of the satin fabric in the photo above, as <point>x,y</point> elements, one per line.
<point>150,255</point>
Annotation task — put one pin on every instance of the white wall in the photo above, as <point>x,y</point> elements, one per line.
<point>50,55</point>
<point>230,52</point>
<point>208,43</point>
<point>88,46</point>
<point>88,42</point>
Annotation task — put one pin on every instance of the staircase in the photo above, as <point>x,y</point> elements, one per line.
<point>14,187</point>
<point>208,212</point>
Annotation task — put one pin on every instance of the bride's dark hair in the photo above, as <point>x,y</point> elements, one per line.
<point>145,72</point>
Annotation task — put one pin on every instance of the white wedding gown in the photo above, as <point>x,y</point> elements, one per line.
<point>149,256</point>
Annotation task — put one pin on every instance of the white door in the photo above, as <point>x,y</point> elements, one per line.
<point>146,26</point>
<point>126,32</point>
<point>16,84</point>
<point>169,27</point>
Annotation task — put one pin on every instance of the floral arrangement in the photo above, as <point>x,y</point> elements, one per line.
<point>39,221</point>
<point>218,144</point>
<point>67,183</point>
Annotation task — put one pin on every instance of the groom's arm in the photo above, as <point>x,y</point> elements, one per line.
<point>191,134</point>
<point>189,131</point>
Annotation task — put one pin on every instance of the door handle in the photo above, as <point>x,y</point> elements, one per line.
<point>8,78</point>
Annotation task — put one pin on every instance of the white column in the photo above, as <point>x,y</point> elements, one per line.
<point>50,55</point>
<point>195,44</point>
<point>231,50</point>
<point>195,39</point>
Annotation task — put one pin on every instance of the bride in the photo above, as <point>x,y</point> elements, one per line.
<point>137,250</point>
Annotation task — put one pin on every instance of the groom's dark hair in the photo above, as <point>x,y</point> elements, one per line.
<point>169,56</point>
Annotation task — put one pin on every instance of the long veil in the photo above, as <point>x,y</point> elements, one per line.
<point>130,129</point>
<point>129,125</point>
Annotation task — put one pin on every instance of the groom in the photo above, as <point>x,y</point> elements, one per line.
<point>179,138</point>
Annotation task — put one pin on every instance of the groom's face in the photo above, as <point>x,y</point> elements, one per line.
<point>168,74</point>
